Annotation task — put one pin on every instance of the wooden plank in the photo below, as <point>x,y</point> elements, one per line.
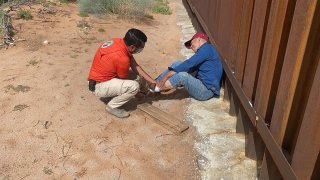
<point>276,153</point>
<point>255,47</point>
<point>294,56</point>
<point>308,144</point>
<point>175,125</point>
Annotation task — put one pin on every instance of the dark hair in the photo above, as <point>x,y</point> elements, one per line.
<point>135,37</point>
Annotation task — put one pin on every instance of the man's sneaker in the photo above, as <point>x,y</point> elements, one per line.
<point>120,113</point>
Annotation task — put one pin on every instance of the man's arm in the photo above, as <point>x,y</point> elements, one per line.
<point>190,64</point>
<point>138,70</point>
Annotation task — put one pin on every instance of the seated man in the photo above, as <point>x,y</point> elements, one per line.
<point>110,68</point>
<point>206,66</point>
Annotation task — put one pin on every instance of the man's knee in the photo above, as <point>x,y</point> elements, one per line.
<point>183,78</point>
<point>183,75</point>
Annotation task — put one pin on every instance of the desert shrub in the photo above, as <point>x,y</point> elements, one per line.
<point>24,14</point>
<point>83,14</point>
<point>17,2</point>
<point>127,8</point>
<point>161,7</point>
<point>83,24</point>
<point>3,1</point>
<point>148,16</point>
<point>6,28</point>
<point>48,3</point>
<point>101,30</point>
<point>1,23</point>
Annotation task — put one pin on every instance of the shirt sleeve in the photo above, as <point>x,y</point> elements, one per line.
<point>199,57</point>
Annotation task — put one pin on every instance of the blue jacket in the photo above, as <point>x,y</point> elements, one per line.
<point>207,65</point>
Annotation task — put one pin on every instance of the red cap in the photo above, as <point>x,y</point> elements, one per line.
<point>197,35</point>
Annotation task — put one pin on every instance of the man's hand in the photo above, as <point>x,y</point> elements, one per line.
<point>161,83</point>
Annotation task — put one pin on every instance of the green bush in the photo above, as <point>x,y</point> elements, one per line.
<point>1,14</point>
<point>1,23</point>
<point>24,14</point>
<point>161,7</point>
<point>148,16</point>
<point>127,8</point>
<point>48,3</point>
<point>3,1</point>
<point>83,14</point>
<point>101,30</point>
<point>17,2</point>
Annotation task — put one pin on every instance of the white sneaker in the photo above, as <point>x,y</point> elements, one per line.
<point>155,90</point>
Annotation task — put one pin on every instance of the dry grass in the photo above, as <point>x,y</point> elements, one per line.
<point>17,89</point>
<point>20,107</point>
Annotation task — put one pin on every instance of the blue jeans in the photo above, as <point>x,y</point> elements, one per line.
<point>194,86</point>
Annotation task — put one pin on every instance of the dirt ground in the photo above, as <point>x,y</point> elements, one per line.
<point>52,127</point>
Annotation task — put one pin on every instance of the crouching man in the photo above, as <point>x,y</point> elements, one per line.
<point>110,68</point>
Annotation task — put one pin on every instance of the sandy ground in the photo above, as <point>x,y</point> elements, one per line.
<point>52,127</point>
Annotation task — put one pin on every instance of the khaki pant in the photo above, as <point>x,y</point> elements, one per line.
<point>121,90</point>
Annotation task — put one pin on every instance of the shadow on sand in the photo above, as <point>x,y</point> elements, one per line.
<point>149,98</point>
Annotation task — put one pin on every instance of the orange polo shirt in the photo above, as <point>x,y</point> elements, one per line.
<point>111,60</point>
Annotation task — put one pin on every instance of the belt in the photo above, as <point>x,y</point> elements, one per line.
<point>92,85</point>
